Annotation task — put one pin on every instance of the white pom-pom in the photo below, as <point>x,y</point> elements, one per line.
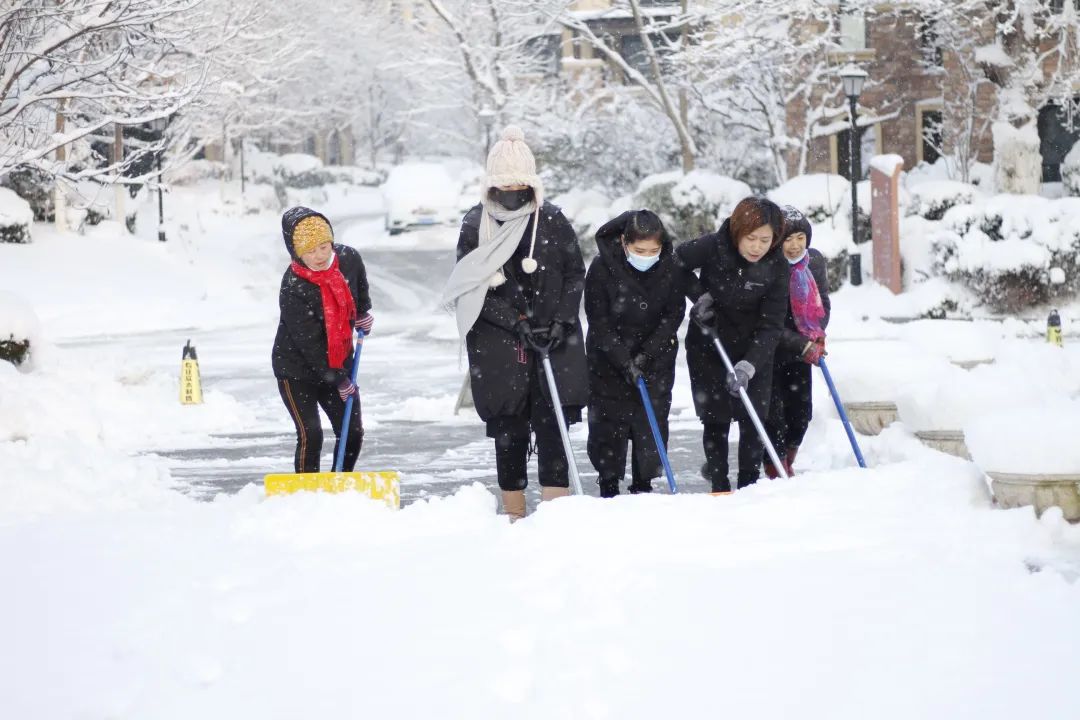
<point>512,133</point>
<point>528,265</point>
<point>497,279</point>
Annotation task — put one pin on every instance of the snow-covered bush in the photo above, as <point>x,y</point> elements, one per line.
<point>931,200</point>
<point>16,216</point>
<point>819,196</point>
<point>586,210</point>
<point>1017,159</point>
<point>1070,171</point>
<point>35,187</point>
<point>301,171</point>
<point>18,329</point>
<point>1011,251</point>
<point>195,171</point>
<point>690,204</point>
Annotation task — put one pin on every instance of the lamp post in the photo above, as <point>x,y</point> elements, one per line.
<point>159,126</point>
<point>853,78</point>
<point>487,119</point>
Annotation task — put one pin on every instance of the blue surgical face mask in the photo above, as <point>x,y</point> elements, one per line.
<point>641,262</point>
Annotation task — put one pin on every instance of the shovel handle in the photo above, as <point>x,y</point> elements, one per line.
<point>339,459</point>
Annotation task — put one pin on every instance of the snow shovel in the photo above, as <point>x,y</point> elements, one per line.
<point>545,358</point>
<point>651,414</point>
<point>753,413</point>
<point>843,415</point>
<point>381,485</point>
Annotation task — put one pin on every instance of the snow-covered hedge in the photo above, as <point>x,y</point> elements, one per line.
<point>35,187</point>
<point>690,204</point>
<point>586,210</point>
<point>301,171</point>
<point>825,200</point>
<point>16,217</point>
<point>931,200</point>
<point>1012,251</point>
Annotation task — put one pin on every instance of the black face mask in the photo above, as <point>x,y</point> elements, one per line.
<point>512,199</point>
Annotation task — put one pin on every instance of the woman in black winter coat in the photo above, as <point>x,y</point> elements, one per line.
<point>323,298</point>
<point>518,283</point>
<point>635,302</point>
<point>802,342</point>
<point>741,298</point>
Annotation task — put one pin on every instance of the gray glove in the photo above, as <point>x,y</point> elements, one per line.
<point>702,312</point>
<point>740,378</point>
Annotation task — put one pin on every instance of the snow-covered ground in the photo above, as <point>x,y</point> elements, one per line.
<point>895,592</point>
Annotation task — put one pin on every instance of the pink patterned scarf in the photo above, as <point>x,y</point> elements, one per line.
<point>806,306</point>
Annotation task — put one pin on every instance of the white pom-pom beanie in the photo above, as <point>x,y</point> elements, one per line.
<point>511,162</point>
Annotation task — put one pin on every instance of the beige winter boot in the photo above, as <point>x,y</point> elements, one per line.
<point>514,504</point>
<point>550,493</point>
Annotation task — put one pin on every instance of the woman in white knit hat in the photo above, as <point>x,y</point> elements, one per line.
<point>519,277</point>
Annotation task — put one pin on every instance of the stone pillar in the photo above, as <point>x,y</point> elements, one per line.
<point>885,219</point>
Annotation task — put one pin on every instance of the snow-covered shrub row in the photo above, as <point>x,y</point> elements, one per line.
<point>931,200</point>
<point>35,187</point>
<point>690,204</point>
<point>16,216</point>
<point>1012,251</point>
<point>297,170</point>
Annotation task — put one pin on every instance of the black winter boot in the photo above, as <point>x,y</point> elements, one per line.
<point>640,486</point>
<point>719,482</point>
<point>609,488</point>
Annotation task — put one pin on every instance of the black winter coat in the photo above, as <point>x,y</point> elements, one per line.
<point>631,312</point>
<point>300,346</point>
<point>499,371</point>
<point>791,341</point>
<point>751,301</point>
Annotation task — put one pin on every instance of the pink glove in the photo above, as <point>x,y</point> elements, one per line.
<point>347,388</point>
<point>365,322</point>
<point>814,351</point>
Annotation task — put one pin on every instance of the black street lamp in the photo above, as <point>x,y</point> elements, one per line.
<point>159,126</point>
<point>854,78</point>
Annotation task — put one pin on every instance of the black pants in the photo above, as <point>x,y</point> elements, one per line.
<point>608,438</point>
<point>791,406</point>
<point>715,440</point>
<point>512,435</point>
<point>303,402</point>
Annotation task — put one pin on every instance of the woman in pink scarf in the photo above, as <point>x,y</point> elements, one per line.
<point>802,343</point>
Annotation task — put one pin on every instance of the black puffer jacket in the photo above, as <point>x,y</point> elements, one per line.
<point>791,341</point>
<point>300,345</point>
<point>631,312</point>
<point>499,373</point>
<point>751,301</point>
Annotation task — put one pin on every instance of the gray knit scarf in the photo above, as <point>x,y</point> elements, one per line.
<point>482,268</point>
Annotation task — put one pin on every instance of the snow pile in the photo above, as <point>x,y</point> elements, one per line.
<point>204,602</point>
<point>1017,160</point>
<point>1036,439</point>
<point>886,164</point>
<point>16,217</point>
<point>1070,171</point>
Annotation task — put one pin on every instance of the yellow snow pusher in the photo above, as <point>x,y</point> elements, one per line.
<point>382,485</point>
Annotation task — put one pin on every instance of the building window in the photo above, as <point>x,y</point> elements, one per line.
<point>930,135</point>
<point>546,53</point>
<point>852,25</point>
<point>930,43</point>
<point>632,49</point>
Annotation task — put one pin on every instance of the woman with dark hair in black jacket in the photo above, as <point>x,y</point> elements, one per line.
<point>802,342</point>
<point>635,302</point>
<point>741,298</point>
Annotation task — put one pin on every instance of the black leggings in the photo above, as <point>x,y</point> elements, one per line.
<point>303,401</point>
<point>608,440</point>
<point>791,406</point>
<point>715,440</point>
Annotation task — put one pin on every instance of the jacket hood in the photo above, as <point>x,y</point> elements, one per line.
<point>291,218</point>
<point>609,241</point>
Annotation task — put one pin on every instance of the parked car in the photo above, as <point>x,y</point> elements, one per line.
<point>420,193</point>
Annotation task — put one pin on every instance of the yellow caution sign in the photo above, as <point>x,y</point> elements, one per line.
<point>190,381</point>
<point>1053,329</point>
<point>383,485</point>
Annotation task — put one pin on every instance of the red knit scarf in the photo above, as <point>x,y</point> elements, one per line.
<point>339,309</point>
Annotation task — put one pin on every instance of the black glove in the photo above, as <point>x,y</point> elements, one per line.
<point>631,372</point>
<point>702,312</point>
<point>740,378</point>
<point>556,335</point>
<point>524,332</point>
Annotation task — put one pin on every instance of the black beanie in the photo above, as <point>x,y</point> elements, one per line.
<point>796,222</point>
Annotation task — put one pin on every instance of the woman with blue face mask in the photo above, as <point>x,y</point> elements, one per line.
<point>635,302</point>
